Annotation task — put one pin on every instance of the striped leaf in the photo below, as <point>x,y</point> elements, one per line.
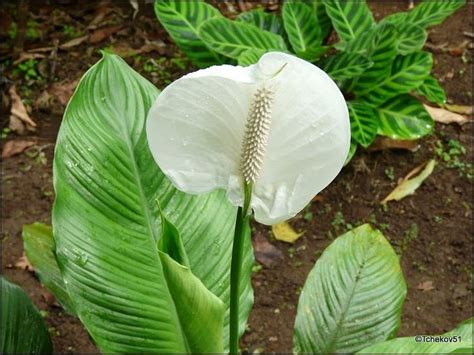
<point>352,297</point>
<point>359,45</point>
<point>181,20</point>
<point>364,123</point>
<point>232,38</point>
<point>323,19</point>
<point>410,38</point>
<point>430,13</point>
<point>264,20</point>
<point>404,117</point>
<point>407,73</point>
<point>381,50</point>
<point>106,225</point>
<point>302,28</point>
<point>349,18</point>
<point>461,342</point>
<point>432,91</point>
<point>250,56</point>
<point>345,65</point>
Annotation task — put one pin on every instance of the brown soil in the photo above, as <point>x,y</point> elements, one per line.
<point>432,230</point>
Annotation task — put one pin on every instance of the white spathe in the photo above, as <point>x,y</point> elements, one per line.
<point>196,127</point>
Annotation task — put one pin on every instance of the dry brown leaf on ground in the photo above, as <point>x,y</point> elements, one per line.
<point>25,56</point>
<point>409,184</point>
<point>101,11</point>
<point>444,116</point>
<point>14,147</point>
<point>74,42</point>
<point>425,286</point>
<point>18,112</point>
<point>285,233</point>
<point>24,264</point>
<point>266,253</point>
<point>103,33</point>
<point>383,143</point>
<point>63,91</point>
<point>461,109</point>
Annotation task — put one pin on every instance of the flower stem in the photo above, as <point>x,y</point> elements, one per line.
<point>236,267</point>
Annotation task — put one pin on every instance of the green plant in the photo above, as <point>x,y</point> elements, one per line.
<point>28,69</point>
<point>23,328</point>
<point>451,155</point>
<point>377,65</point>
<point>71,32</point>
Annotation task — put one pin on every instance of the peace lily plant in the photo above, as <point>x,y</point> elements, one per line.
<point>154,258</point>
<point>272,135</point>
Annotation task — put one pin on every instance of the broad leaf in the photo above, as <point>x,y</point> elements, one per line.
<point>364,123</point>
<point>264,20</point>
<point>181,20</point>
<point>323,19</point>
<point>404,117</point>
<point>429,13</point>
<point>361,44</point>
<point>432,91</point>
<point>23,328</point>
<point>381,50</point>
<point>349,18</point>
<point>345,65</point>
<point>106,225</point>
<point>407,73</point>
<point>40,248</point>
<point>302,27</point>
<point>458,340</point>
<point>410,38</point>
<point>250,56</point>
<point>232,38</point>
<point>352,297</point>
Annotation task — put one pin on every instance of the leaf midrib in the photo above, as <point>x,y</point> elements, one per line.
<point>345,20</point>
<point>300,36</point>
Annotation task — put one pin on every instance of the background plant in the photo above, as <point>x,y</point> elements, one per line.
<point>380,67</point>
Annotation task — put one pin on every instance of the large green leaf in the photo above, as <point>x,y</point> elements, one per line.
<point>232,38</point>
<point>345,65</point>
<point>381,50</point>
<point>349,18</point>
<point>181,19</point>
<point>457,340</point>
<point>106,223</point>
<point>364,123</point>
<point>352,297</point>
<point>323,19</point>
<point>432,90</point>
<point>250,56</point>
<point>40,248</point>
<point>430,13</point>
<point>263,20</point>
<point>404,117</point>
<point>410,38</point>
<point>302,27</point>
<point>23,328</point>
<point>407,73</point>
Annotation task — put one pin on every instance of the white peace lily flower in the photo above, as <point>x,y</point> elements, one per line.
<point>281,125</point>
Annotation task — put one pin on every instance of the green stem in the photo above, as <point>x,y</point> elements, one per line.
<point>235,269</point>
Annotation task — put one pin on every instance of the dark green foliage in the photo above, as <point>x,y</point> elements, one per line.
<point>377,64</point>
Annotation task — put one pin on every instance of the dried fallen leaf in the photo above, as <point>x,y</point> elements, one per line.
<point>408,185</point>
<point>383,143</point>
<point>444,116</point>
<point>284,233</point>
<point>266,253</point>
<point>63,91</point>
<point>24,264</point>
<point>463,110</point>
<point>25,56</point>
<point>425,286</point>
<point>136,7</point>
<point>18,110</point>
<point>15,147</point>
<point>74,42</point>
<point>103,33</point>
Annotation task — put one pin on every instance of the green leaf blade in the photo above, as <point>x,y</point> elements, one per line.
<point>432,90</point>
<point>349,18</point>
<point>302,27</point>
<point>181,20</point>
<point>404,117</point>
<point>364,123</point>
<point>23,328</point>
<point>107,223</point>
<point>263,20</point>
<point>352,297</point>
<point>410,38</point>
<point>430,13</point>
<point>232,38</point>
<point>40,248</point>
<point>345,65</point>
